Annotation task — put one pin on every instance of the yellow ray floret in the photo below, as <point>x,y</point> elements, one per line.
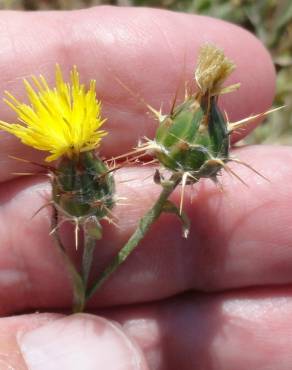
<point>64,120</point>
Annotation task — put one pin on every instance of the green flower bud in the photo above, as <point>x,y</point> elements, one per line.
<point>194,138</point>
<point>191,138</point>
<point>83,187</point>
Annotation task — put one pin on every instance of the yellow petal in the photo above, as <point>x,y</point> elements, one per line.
<point>61,120</point>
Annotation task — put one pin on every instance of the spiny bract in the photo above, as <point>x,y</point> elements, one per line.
<point>194,138</point>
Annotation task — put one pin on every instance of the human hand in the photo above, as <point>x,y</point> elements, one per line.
<point>218,300</point>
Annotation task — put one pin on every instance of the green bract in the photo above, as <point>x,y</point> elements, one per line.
<point>194,138</point>
<point>83,189</point>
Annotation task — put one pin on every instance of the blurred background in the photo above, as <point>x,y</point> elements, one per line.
<point>270,20</point>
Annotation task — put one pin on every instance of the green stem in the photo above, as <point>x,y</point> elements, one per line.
<point>79,297</point>
<point>144,224</point>
<point>77,282</point>
<point>89,247</point>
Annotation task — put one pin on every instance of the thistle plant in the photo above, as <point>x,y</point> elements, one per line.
<point>191,142</point>
<point>66,122</point>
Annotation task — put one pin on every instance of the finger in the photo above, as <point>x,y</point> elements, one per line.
<point>53,342</point>
<point>214,332</point>
<point>151,51</point>
<point>238,238</point>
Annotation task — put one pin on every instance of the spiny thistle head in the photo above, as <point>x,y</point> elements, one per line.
<point>64,120</point>
<point>84,189</point>
<point>194,137</point>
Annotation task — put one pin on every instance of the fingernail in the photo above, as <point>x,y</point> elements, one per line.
<point>79,342</point>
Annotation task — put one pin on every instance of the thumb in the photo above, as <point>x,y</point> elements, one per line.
<point>79,341</point>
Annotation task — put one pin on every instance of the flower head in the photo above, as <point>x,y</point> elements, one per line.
<point>64,120</point>
<point>213,68</point>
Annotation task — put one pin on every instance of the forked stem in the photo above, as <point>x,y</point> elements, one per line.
<point>144,225</point>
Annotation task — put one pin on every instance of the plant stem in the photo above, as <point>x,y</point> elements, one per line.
<point>89,247</point>
<point>78,286</point>
<point>144,224</point>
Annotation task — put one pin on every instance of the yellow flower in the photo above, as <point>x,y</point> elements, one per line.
<point>64,120</point>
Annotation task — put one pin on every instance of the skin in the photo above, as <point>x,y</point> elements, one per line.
<point>219,300</point>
